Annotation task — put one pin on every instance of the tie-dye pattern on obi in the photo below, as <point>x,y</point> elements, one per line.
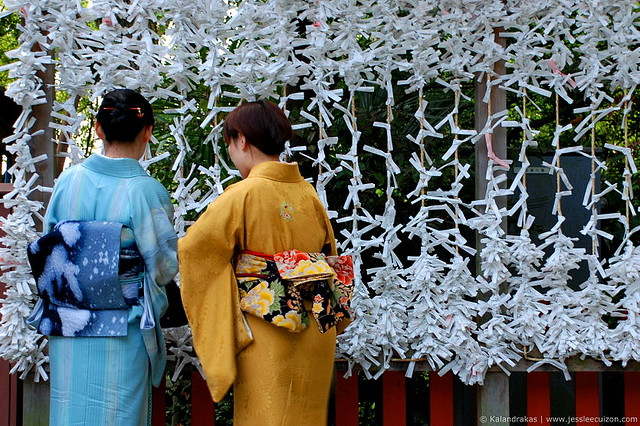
<point>274,287</point>
<point>87,273</point>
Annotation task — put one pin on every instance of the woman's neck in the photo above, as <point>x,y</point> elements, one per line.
<point>118,151</point>
<point>134,149</point>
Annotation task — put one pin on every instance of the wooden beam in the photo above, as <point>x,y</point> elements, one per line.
<point>573,364</point>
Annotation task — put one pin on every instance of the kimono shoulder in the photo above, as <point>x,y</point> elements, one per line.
<point>149,186</point>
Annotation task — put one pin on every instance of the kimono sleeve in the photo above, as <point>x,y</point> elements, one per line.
<point>209,290</point>
<point>151,222</point>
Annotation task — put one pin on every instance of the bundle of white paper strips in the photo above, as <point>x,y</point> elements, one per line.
<point>325,55</point>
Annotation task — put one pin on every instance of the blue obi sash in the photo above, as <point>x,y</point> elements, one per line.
<point>87,273</point>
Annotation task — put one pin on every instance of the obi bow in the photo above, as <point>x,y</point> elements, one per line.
<point>274,287</point>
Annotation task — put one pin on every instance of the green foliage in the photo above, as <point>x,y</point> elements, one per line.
<point>370,107</point>
<point>204,151</point>
<point>9,40</point>
<point>610,130</point>
<point>224,410</point>
<point>178,400</point>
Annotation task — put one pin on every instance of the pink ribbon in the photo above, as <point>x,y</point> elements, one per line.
<point>489,140</point>
<point>554,67</point>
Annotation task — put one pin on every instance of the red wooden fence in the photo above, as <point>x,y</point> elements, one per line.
<point>441,400</point>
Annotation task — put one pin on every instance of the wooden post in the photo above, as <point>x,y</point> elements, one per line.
<point>346,399</point>
<point>441,399</point>
<point>394,399</point>
<point>35,396</point>
<point>587,397</point>
<point>203,409</point>
<point>499,138</point>
<point>493,399</point>
<point>159,404</point>
<point>35,403</point>
<point>632,397</point>
<point>43,143</point>
<point>8,395</point>
<point>539,397</point>
<point>493,396</point>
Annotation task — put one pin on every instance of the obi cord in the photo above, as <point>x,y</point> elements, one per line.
<point>274,287</point>
<point>87,273</point>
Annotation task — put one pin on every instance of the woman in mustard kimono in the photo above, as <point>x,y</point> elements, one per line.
<point>262,300</point>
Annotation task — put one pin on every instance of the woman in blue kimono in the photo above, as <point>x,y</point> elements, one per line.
<point>97,379</point>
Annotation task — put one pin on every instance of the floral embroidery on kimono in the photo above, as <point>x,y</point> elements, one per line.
<point>273,287</point>
<point>286,211</point>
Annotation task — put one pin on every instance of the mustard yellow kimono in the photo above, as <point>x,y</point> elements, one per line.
<point>279,377</point>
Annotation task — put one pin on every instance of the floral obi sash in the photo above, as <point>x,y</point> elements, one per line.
<point>88,274</point>
<point>273,287</point>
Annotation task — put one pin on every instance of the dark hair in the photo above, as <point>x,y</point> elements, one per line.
<point>262,123</point>
<point>123,114</point>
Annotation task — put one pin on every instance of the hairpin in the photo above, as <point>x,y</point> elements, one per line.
<point>140,114</point>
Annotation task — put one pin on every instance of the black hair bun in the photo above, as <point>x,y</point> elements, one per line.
<point>123,114</point>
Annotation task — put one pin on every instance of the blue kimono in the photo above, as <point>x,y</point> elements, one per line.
<point>107,380</point>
